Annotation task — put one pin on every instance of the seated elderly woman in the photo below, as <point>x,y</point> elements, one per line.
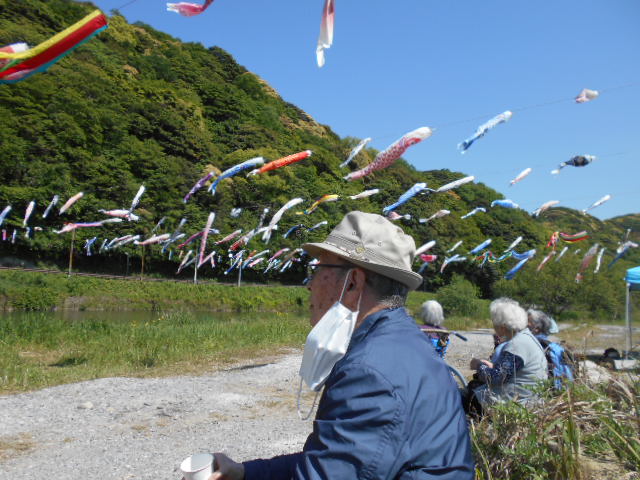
<point>432,317</point>
<point>521,363</point>
<point>538,322</point>
<point>560,360</point>
<point>541,324</point>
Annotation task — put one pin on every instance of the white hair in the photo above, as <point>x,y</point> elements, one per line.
<point>539,320</point>
<point>431,312</point>
<point>508,313</point>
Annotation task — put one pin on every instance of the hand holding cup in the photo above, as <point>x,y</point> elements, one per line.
<point>198,466</point>
<point>227,469</point>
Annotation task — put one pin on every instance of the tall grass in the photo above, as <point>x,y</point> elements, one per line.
<point>39,350</point>
<point>564,437</point>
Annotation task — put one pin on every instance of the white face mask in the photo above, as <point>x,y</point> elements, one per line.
<point>327,343</point>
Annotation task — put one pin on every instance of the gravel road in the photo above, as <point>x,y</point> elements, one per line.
<point>130,428</point>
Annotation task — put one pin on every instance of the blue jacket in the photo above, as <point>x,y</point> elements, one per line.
<point>390,410</point>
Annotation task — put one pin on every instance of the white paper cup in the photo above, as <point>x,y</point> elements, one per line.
<point>197,467</point>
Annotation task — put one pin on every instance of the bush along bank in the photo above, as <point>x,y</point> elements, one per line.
<point>23,290</point>
<point>40,292</point>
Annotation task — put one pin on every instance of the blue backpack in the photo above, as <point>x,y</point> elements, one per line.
<point>439,340</point>
<point>560,361</point>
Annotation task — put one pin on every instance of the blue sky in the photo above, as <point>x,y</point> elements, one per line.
<point>452,65</point>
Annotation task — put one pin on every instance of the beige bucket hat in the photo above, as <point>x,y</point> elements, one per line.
<point>374,243</point>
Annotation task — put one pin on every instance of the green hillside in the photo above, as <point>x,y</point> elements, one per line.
<point>135,106</point>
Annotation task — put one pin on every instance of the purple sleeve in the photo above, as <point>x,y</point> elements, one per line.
<point>502,371</point>
<point>277,468</point>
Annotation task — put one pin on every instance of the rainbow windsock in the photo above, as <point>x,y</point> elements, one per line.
<point>18,65</point>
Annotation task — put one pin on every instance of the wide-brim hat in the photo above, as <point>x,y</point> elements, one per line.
<point>374,243</point>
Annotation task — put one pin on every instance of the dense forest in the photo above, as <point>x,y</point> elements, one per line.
<point>134,106</point>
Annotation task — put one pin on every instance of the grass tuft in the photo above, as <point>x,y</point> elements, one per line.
<point>11,446</point>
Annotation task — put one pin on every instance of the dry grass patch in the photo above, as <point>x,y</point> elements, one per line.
<point>219,417</point>
<point>605,469</point>
<point>41,357</point>
<point>272,404</point>
<point>13,446</point>
<point>552,440</point>
<point>163,422</point>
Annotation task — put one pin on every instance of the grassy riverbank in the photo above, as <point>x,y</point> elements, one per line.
<point>31,291</point>
<point>42,349</point>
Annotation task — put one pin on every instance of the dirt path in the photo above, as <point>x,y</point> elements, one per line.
<point>126,428</point>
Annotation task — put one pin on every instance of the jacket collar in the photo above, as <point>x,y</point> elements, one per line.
<point>372,320</point>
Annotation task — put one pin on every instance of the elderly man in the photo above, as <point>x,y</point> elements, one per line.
<point>389,409</point>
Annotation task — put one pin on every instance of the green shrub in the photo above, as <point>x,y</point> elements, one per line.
<point>460,298</point>
<point>41,298</point>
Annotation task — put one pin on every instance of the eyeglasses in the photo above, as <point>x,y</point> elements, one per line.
<point>311,269</point>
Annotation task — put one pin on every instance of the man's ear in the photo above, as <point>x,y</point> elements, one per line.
<point>355,289</point>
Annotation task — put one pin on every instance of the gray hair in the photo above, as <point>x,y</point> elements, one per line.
<point>508,313</point>
<point>390,293</point>
<point>539,321</point>
<point>431,312</point>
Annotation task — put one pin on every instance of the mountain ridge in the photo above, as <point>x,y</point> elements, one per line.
<point>136,106</point>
